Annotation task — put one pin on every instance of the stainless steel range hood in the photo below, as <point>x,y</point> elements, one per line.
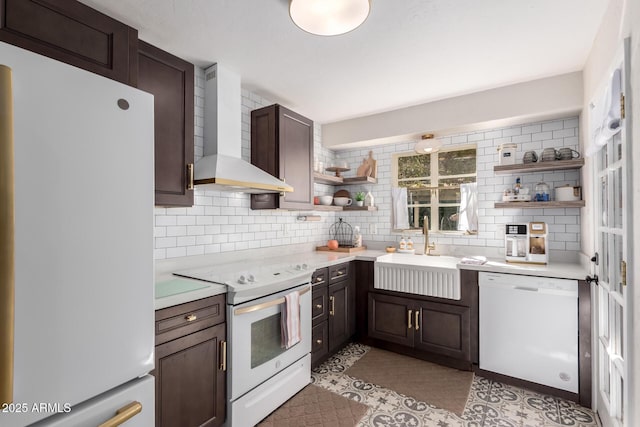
<point>222,167</point>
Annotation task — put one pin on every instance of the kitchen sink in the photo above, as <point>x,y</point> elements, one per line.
<point>435,276</point>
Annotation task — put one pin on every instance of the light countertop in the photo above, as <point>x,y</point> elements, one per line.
<point>556,270</point>
<point>182,290</point>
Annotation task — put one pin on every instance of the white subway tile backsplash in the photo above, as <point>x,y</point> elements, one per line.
<point>222,222</point>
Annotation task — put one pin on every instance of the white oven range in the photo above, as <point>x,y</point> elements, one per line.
<point>262,374</point>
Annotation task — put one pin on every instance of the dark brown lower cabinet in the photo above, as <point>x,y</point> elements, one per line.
<point>441,329</point>
<point>191,364</point>
<point>319,342</point>
<point>340,313</point>
<point>333,311</point>
<point>190,383</point>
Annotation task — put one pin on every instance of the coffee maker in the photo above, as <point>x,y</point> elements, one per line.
<point>538,251</point>
<point>526,243</point>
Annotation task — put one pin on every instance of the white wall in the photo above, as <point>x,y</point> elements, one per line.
<point>223,222</point>
<point>558,96</point>
<point>564,223</point>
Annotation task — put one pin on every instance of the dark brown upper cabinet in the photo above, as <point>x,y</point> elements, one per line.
<point>70,32</point>
<point>282,145</point>
<point>170,80</point>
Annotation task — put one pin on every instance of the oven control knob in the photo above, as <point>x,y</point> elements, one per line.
<point>298,267</point>
<point>242,280</point>
<point>251,278</point>
<point>305,267</point>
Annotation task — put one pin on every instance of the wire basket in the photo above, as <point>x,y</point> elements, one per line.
<point>343,233</point>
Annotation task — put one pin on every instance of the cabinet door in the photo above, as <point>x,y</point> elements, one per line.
<point>391,318</point>
<point>319,305</point>
<point>170,80</point>
<point>191,380</point>
<point>319,342</point>
<point>364,281</point>
<point>339,325</point>
<point>296,159</point>
<point>70,32</point>
<point>282,145</point>
<point>443,329</point>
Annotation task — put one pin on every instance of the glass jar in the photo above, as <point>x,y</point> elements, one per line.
<point>542,192</point>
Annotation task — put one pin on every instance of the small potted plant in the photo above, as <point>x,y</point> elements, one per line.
<point>360,198</point>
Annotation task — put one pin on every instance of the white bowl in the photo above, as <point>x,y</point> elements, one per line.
<point>342,201</point>
<point>325,200</point>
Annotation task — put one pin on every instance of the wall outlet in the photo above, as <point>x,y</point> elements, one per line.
<point>373,228</point>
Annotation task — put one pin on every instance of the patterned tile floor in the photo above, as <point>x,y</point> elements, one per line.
<point>490,403</point>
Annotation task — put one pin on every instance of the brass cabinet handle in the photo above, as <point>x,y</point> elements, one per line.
<point>340,272</point>
<point>123,414</point>
<point>417,319</point>
<point>190,176</point>
<point>318,305</point>
<point>409,319</point>
<point>191,317</point>
<point>319,279</point>
<point>223,355</point>
<point>318,341</point>
<point>332,300</point>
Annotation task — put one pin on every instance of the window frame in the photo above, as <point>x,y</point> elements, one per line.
<point>435,193</point>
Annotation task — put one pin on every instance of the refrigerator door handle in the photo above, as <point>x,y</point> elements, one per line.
<point>7,231</point>
<point>123,414</point>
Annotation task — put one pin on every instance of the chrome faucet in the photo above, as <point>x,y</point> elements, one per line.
<point>425,230</point>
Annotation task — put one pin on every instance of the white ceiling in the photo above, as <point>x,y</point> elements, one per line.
<point>407,52</point>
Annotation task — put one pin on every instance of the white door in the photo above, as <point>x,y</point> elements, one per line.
<point>612,230</point>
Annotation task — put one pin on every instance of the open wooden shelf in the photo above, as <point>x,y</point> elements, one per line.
<point>539,205</point>
<point>360,208</point>
<point>360,180</point>
<point>339,180</point>
<point>539,166</point>
<point>332,208</point>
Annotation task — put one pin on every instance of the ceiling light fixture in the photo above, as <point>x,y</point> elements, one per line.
<point>427,144</point>
<point>329,17</point>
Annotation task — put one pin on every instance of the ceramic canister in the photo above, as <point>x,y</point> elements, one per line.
<point>568,193</point>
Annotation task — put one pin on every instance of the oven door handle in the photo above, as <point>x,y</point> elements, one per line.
<point>262,306</point>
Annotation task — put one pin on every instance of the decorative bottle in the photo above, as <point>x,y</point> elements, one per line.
<point>403,244</point>
<point>357,237</point>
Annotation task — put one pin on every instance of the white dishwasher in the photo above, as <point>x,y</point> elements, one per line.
<point>529,328</point>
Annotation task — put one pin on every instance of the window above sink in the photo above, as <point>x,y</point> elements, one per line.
<point>437,186</point>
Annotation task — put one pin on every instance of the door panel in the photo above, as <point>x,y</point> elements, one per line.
<point>338,315</point>
<point>389,318</point>
<point>190,387</point>
<point>612,215</point>
<point>441,329</point>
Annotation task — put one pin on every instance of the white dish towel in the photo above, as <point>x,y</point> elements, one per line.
<point>399,209</point>
<point>290,321</point>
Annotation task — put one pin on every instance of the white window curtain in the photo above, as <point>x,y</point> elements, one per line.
<point>399,209</point>
<point>468,217</point>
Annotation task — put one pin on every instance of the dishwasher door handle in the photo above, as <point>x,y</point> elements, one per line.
<point>524,288</point>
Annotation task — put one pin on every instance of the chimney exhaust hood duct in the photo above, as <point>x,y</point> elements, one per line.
<point>222,168</point>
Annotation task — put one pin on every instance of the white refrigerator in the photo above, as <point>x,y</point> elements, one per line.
<point>76,280</point>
